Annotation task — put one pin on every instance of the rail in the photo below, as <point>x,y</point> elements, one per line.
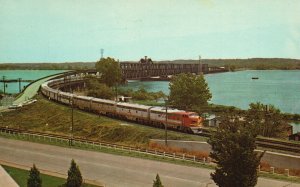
<point>261,142</point>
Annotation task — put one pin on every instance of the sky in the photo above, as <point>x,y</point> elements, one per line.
<point>77,30</point>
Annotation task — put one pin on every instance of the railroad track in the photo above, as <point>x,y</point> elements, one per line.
<point>278,145</point>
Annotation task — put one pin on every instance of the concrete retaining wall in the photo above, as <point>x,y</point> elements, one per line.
<point>277,160</point>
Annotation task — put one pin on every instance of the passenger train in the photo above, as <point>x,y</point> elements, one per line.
<point>188,122</point>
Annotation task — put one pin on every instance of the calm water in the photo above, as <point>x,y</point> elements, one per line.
<point>280,88</point>
<point>24,74</point>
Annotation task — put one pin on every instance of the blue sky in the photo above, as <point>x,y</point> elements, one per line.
<point>66,31</point>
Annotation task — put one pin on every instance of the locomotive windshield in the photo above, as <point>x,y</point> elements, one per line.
<point>193,115</point>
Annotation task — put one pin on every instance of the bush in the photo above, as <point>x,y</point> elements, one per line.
<point>99,90</point>
<point>74,176</point>
<point>34,179</point>
<point>157,182</point>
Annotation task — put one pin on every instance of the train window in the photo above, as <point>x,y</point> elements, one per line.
<point>136,111</point>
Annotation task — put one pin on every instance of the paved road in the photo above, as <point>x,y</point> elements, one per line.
<point>32,90</point>
<point>110,170</point>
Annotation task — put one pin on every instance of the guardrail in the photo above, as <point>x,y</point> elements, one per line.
<point>98,145</point>
<point>81,142</point>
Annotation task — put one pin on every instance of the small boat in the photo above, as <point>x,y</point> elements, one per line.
<point>255,78</point>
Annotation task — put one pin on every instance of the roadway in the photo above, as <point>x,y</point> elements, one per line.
<point>111,170</point>
<point>32,90</point>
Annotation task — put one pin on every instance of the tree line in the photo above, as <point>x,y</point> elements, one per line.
<point>231,64</point>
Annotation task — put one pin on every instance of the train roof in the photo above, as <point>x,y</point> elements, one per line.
<point>131,105</point>
<point>103,100</point>
<point>163,110</point>
<point>83,97</point>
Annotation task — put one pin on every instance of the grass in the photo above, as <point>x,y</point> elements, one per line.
<point>21,175</point>
<point>109,150</point>
<point>47,116</point>
<point>50,117</point>
<point>279,177</point>
<point>90,147</point>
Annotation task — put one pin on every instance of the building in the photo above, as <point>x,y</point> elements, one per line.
<point>211,120</point>
<point>295,137</point>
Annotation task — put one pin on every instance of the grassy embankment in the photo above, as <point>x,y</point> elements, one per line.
<point>36,116</point>
<point>21,175</point>
<point>50,117</point>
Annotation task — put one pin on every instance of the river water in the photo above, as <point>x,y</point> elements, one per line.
<point>278,87</point>
<point>25,75</point>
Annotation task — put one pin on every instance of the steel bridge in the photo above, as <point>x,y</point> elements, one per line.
<point>131,70</point>
<point>147,70</point>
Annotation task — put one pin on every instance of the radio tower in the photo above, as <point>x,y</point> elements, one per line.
<point>102,51</point>
<point>200,66</point>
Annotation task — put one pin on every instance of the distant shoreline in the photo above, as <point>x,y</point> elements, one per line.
<point>230,64</point>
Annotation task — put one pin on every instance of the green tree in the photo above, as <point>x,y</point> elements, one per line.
<point>110,71</point>
<point>157,182</point>
<point>233,148</point>
<point>97,89</point>
<point>188,91</point>
<point>101,91</point>
<point>266,120</point>
<point>74,176</point>
<point>34,179</point>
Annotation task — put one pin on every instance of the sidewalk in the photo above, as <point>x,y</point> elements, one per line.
<point>6,180</point>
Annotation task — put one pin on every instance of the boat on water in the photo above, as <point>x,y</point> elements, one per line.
<point>255,78</point>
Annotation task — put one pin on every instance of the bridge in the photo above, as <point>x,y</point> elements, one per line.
<point>143,70</point>
<point>133,70</point>
<point>147,70</point>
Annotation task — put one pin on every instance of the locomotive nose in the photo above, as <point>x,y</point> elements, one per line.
<point>196,120</point>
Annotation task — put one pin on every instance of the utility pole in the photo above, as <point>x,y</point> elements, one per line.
<point>70,87</point>
<point>166,128</point>
<point>72,116</point>
<point>3,84</point>
<point>72,127</point>
<point>102,51</point>
<point>200,65</point>
<point>20,84</point>
<point>117,92</point>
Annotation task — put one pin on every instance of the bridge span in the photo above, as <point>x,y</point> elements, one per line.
<point>131,70</point>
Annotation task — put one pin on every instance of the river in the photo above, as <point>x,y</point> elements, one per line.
<point>13,87</point>
<point>278,87</point>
